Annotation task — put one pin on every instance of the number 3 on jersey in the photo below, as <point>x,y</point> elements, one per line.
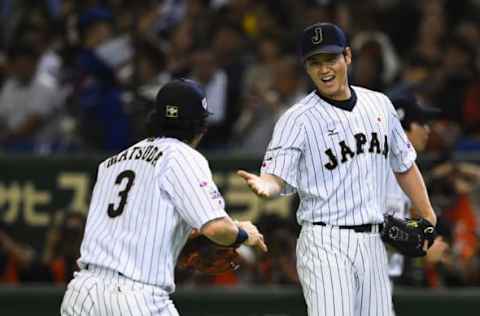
<point>130,176</point>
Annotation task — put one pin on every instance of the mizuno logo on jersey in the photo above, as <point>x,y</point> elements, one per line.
<point>362,145</point>
<point>332,132</point>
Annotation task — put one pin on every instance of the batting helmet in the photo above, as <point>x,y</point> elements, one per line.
<point>180,110</point>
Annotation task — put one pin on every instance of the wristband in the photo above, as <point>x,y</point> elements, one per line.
<point>242,236</point>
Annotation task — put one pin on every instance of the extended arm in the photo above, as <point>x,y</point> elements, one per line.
<point>266,185</point>
<point>412,184</point>
<point>225,232</point>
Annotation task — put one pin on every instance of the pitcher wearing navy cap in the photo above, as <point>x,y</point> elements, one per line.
<point>335,149</point>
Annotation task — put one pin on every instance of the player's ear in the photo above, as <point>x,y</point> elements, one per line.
<point>347,53</point>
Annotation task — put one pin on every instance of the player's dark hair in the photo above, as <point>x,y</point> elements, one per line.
<point>184,130</point>
<point>406,125</point>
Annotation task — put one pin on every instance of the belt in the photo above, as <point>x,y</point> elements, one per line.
<point>365,228</point>
<point>90,267</point>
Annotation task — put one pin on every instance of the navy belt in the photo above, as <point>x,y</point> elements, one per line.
<point>365,228</point>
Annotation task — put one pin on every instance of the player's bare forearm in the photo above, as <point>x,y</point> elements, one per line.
<point>266,185</point>
<point>222,231</point>
<point>411,182</point>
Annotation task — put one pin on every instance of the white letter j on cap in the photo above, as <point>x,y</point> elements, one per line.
<point>317,38</point>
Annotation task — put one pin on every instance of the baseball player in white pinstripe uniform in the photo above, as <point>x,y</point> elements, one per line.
<point>414,118</point>
<point>144,205</point>
<point>335,148</point>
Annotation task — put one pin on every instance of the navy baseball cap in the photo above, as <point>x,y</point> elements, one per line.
<point>94,15</point>
<point>410,110</point>
<point>181,99</point>
<point>322,38</point>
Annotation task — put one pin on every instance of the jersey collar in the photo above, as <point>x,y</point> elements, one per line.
<point>346,105</point>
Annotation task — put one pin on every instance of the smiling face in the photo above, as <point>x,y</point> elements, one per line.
<point>329,73</point>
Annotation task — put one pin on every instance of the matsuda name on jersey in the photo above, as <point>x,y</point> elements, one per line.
<point>148,153</point>
<point>363,144</point>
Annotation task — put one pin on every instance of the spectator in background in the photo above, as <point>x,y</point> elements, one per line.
<point>27,106</point>
<point>380,62</point>
<point>471,114</point>
<point>416,72</point>
<point>451,82</point>
<point>151,72</point>
<point>469,31</point>
<point>369,67</point>
<point>215,82</point>
<point>456,73</point>
<point>255,126</point>
<point>259,75</point>
<point>150,75</point>
<point>431,30</point>
<point>172,13</point>
<point>418,76</point>
<point>198,13</point>
<point>104,124</point>
<point>451,184</point>
<point>14,257</point>
<point>279,266</point>
<point>229,51</point>
<point>44,39</point>
<point>438,264</point>
<point>180,49</point>
<point>63,247</point>
<point>19,262</point>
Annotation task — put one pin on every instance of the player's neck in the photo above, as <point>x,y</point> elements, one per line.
<point>342,103</point>
<point>196,140</point>
<point>344,93</point>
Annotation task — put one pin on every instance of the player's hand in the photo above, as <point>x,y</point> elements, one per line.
<point>194,233</point>
<point>255,238</point>
<point>256,184</point>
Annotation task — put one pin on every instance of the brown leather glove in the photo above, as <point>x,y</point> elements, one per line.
<point>203,255</point>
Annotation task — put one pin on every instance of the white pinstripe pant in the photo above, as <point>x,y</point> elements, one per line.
<point>343,273</point>
<point>103,292</point>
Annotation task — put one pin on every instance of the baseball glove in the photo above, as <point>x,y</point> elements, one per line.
<point>202,255</point>
<point>408,236</point>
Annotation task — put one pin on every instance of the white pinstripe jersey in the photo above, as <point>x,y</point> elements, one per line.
<point>397,202</point>
<point>144,204</point>
<point>338,160</point>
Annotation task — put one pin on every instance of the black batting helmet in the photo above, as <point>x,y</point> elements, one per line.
<point>180,110</point>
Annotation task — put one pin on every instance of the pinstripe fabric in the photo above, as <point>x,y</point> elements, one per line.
<point>143,207</point>
<point>342,272</point>
<point>338,161</point>
<point>352,192</point>
<point>165,201</point>
<point>398,204</point>
<point>103,292</point>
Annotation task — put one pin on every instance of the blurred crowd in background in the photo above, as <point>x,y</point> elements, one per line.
<point>79,77</point>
